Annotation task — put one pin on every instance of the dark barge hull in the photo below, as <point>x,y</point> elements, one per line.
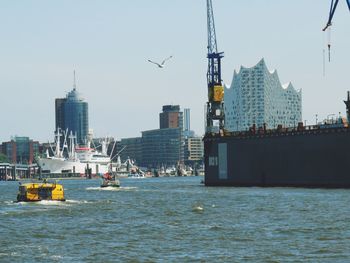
<point>308,158</point>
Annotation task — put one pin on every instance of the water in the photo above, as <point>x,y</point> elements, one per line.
<point>176,220</point>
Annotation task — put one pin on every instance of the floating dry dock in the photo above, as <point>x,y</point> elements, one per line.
<point>311,156</point>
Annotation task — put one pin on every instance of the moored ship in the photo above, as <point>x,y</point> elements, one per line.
<point>75,159</point>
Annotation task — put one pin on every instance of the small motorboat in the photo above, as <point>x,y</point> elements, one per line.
<point>109,181</point>
<point>34,192</point>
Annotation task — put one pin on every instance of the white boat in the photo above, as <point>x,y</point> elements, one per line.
<point>77,160</point>
<point>136,175</point>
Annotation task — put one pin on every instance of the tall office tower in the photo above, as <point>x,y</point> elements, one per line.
<point>59,112</point>
<point>256,96</point>
<point>76,116</point>
<point>72,115</point>
<point>171,117</point>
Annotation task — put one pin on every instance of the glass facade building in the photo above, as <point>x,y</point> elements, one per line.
<point>256,96</point>
<point>132,148</point>
<point>162,147</point>
<point>72,114</point>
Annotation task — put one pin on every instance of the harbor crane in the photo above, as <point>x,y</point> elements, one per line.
<point>333,7</point>
<point>215,104</point>
<point>331,12</point>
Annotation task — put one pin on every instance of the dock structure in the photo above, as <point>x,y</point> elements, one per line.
<point>13,172</point>
<point>56,176</point>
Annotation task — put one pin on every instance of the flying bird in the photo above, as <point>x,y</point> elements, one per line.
<point>160,65</point>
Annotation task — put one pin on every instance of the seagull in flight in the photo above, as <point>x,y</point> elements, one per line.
<point>161,65</point>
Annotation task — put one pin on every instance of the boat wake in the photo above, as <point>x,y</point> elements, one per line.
<point>78,202</point>
<point>50,202</point>
<point>53,203</point>
<point>110,188</point>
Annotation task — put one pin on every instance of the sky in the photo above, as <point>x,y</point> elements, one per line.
<point>108,43</point>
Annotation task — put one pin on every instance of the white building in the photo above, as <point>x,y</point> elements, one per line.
<point>257,96</point>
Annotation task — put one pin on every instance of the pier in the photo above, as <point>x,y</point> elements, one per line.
<point>13,172</point>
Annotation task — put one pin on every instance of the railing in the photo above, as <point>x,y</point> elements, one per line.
<point>282,131</point>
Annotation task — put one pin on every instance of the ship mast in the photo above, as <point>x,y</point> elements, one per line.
<point>215,104</point>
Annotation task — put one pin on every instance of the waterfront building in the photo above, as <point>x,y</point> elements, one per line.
<point>72,115</point>
<point>131,148</point>
<point>256,96</point>
<point>162,147</point>
<point>20,150</point>
<point>193,150</point>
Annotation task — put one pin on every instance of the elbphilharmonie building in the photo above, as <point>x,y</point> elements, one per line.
<point>256,96</point>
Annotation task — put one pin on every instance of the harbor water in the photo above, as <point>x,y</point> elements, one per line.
<point>176,219</point>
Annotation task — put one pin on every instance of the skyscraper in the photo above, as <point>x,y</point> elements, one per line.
<point>256,96</point>
<point>72,114</point>
<point>59,112</point>
<point>171,117</point>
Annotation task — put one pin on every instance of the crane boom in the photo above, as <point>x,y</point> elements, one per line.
<point>333,7</point>
<point>212,44</point>
<point>215,104</point>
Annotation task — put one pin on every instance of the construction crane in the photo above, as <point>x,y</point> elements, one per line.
<point>333,7</point>
<point>215,104</point>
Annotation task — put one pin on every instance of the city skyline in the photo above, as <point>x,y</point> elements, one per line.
<point>108,43</point>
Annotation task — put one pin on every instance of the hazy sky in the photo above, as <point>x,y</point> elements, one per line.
<point>108,43</point>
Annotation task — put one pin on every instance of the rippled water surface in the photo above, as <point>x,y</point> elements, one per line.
<point>176,220</point>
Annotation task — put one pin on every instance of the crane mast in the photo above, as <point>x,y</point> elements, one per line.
<point>215,104</point>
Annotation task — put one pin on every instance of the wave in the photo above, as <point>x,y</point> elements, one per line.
<point>53,202</point>
<point>50,202</point>
<point>68,201</point>
<point>197,208</point>
<point>125,188</point>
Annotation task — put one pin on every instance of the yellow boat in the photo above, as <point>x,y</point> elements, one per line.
<point>33,192</point>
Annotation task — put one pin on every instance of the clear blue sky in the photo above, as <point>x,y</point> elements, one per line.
<point>108,43</point>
